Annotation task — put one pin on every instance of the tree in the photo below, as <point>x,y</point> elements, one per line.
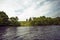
<point>3,18</point>
<point>14,21</point>
<point>38,21</point>
<point>26,19</point>
<point>30,19</point>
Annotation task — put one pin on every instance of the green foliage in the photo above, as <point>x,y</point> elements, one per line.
<point>35,21</point>
<point>30,19</point>
<point>25,23</point>
<point>41,21</point>
<point>3,18</point>
<point>6,21</point>
<point>14,21</point>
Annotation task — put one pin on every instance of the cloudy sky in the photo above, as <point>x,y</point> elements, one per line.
<point>30,8</point>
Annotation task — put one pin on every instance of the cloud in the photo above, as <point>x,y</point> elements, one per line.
<point>30,8</point>
<point>34,10</point>
<point>54,10</point>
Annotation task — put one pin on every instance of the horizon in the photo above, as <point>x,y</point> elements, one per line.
<point>25,9</point>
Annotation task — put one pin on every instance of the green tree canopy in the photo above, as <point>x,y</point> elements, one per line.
<point>14,21</point>
<point>3,18</point>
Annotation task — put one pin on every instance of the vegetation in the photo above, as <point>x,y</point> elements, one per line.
<point>6,21</point>
<point>34,21</point>
<point>14,21</point>
<point>25,23</point>
<point>3,18</point>
<point>42,21</point>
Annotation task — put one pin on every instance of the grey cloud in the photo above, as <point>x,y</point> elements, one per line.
<point>43,2</point>
<point>55,9</point>
<point>24,7</point>
<point>40,4</point>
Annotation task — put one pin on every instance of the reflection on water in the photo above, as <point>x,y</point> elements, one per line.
<point>30,33</point>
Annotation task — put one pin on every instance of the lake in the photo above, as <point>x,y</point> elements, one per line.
<point>30,33</point>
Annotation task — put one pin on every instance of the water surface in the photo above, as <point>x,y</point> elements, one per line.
<point>30,33</point>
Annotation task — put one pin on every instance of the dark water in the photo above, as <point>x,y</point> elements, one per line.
<point>30,33</point>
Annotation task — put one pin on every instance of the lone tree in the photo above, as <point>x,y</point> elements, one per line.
<point>3,18</point>
<point>14,21</point>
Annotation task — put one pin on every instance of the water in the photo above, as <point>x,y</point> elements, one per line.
<point>30,33</point>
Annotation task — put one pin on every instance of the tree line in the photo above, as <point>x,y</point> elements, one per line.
<point>42,20</point>
<point>6,21</point>
<point>32,21</point>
